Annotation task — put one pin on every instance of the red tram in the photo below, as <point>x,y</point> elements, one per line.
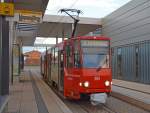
<point>79,66</point>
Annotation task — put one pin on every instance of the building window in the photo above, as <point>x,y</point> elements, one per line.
<point>136,60</point>
<point>119,61</point>
<point>119,51</point>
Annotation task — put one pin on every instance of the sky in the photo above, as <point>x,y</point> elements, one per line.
<point>90,8</point>
<point>40,40</point>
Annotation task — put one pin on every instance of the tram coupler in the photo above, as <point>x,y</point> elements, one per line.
<point>98,98</point>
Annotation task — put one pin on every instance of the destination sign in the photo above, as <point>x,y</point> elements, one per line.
<point>28,16</point>
<point>96,43</point>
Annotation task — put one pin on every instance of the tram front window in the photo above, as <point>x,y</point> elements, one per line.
<point>95,61</point>
<point>95,53</point>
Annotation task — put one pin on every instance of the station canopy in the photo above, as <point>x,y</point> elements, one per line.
<point>55,26</point>
<point>32,21</point>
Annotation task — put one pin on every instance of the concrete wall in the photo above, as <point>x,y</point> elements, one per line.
<point>129,28</point>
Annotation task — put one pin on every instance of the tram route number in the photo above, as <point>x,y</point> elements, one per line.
<point>97,78</point>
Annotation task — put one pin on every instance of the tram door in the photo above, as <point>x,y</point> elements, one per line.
<point>61,70</point>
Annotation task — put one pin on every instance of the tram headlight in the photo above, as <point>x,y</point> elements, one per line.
<point>107,83</point>
<point>86,84</point>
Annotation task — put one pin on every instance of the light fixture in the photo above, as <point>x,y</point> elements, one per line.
<point>86,84</point>
<point>107,83</point>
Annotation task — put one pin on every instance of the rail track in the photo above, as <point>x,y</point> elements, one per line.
<point>83,106</point>
<point>101,108</point>
<point>114,104</point>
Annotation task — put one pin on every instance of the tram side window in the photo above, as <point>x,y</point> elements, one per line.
<point>76,54</point>
<point>68,56</point>
<point>76,60</point>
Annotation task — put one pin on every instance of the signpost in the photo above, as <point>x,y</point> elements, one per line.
<point>6,9</point>
<point>27,16</point>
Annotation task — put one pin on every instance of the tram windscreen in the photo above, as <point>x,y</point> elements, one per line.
<point>95,53</point>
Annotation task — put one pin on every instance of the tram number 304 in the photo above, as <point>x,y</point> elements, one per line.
<point>96,78</point>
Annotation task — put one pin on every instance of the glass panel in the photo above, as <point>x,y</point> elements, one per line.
<point>119,51</point>
<point>56,56</point>
<point>69,62</point>
<point>119,61</point>
<point>96,61</point>
<point>95,53</point>
<point>16,56</point>
<point>137,60</point>
<point>77,60</point>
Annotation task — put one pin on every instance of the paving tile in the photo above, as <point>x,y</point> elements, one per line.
<point>23,99</point>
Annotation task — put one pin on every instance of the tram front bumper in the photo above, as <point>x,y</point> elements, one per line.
<point>98,98</point>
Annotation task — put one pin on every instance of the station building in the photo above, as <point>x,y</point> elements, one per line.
<point>32,58</point>
<point>129,28</point>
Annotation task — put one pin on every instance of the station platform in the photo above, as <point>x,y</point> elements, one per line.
<point>132,92</point>
<point>30,94</point>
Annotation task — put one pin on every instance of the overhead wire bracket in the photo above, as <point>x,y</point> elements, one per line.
<point>75,18</point>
